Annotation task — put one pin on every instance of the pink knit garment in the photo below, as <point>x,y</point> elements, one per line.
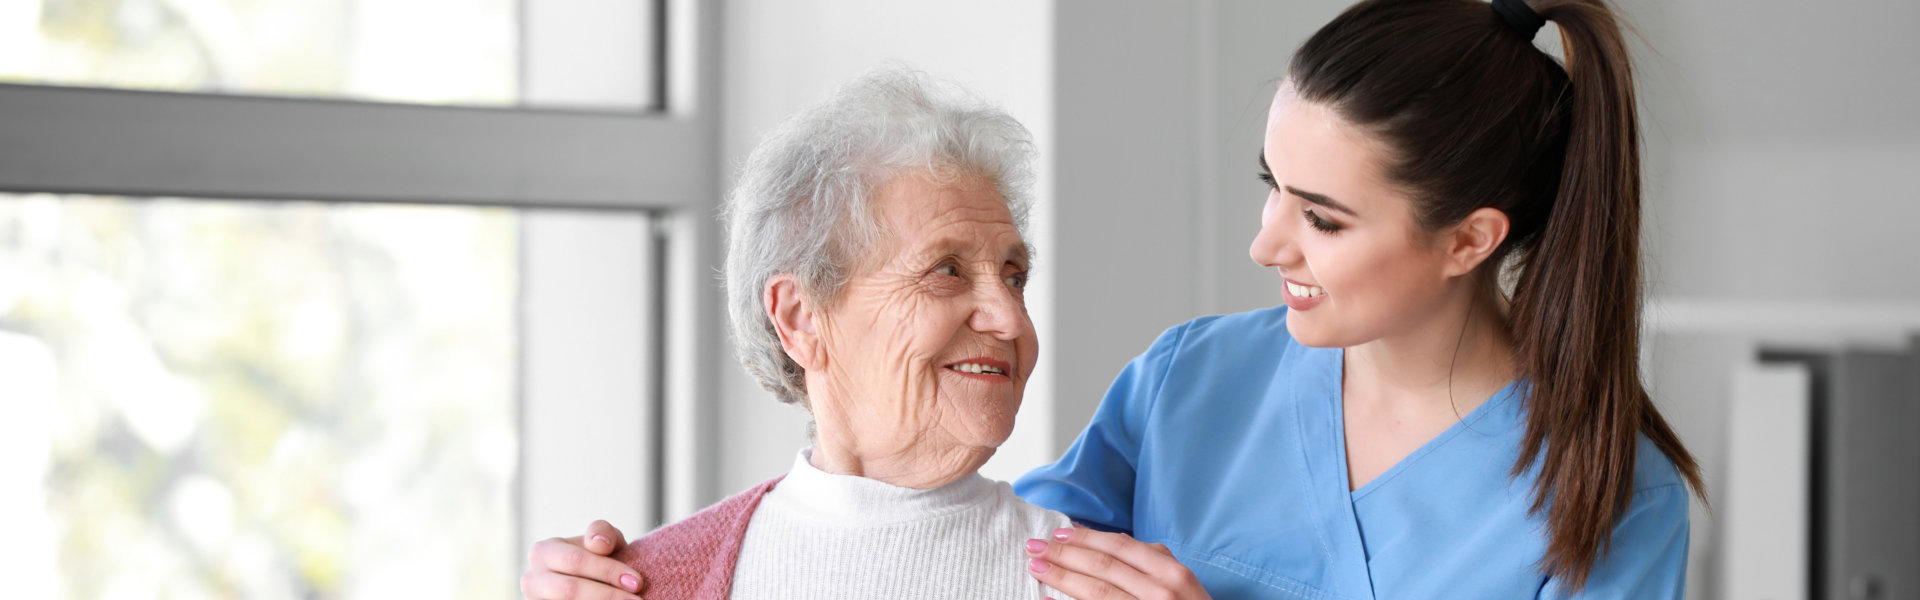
<point>694,558</point>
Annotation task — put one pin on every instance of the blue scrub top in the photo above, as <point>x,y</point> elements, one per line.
<point>1224,442</point>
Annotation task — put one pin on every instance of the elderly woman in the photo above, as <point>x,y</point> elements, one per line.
<point>874,277</point>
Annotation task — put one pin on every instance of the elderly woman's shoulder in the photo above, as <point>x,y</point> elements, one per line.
<point>694,557</point>
<point>1028,519</point>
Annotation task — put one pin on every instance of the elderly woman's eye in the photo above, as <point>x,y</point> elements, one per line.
<point>1017,281</point>
<point>948,270</point>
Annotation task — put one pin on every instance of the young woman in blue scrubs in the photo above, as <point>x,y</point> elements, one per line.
<point>1406,426</point>
<point>1449,403</point>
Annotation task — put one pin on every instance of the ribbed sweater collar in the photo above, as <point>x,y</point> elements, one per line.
<point>858,501</point>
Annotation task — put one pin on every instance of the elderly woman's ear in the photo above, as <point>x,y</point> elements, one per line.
<point>792,315</point>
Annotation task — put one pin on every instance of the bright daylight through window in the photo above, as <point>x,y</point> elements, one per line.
<point>418,51</point>
<point>214,399</point>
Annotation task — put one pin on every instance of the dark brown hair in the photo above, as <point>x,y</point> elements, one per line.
<point>1473,115</point>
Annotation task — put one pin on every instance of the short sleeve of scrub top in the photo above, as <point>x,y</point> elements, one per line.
<point>1224,442</point>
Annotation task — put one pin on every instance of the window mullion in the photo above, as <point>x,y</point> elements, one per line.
<point>81,140</point>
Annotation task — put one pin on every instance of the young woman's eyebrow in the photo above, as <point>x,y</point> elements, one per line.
<point>1320,199</point>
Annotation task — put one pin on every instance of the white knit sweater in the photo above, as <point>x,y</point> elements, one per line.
<point>820,535</point>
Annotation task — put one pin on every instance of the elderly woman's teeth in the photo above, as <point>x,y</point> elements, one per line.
<point>1304,291</point>
<point>976,369</point>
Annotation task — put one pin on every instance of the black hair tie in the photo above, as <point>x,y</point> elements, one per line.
<point>1520,16</point>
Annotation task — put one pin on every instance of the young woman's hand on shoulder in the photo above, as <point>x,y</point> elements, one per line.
<point>579,568</point>
<point>1095,565</point>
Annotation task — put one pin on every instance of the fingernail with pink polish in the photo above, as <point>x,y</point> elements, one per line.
<point>1062,534</point>
<point>628,582</point>
<point>1036,546</point>
<point>1038,566</point>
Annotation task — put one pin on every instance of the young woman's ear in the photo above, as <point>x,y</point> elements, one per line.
<point>1474,239</point>
<point>792,314</point>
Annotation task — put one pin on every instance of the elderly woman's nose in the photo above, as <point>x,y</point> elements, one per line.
<point>998,312</point>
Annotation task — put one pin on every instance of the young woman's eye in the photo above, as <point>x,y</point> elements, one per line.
<point>1267,178</point>
<point>1321,224</point>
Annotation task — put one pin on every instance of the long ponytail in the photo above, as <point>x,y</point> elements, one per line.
<point>1476,116</point>
<point>1576,307</point>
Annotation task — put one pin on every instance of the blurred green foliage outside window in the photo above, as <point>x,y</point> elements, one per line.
<point>221,399</point>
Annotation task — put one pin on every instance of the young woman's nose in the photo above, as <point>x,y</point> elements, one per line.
<point>1274,246</point>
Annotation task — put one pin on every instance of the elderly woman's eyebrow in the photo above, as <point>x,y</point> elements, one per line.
<point>951,246</point>
<point>1020,253</point>
<point>945,246</point>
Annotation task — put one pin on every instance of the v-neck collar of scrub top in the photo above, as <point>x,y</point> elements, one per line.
<point>1318,403</point>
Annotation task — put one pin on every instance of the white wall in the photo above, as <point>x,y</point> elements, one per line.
<point>781,56</point>
<point>1786,140</point>
<point>583,328</point>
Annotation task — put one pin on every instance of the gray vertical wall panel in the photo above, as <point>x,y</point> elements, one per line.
<point>1873,493</point>
<point>1126,115</point>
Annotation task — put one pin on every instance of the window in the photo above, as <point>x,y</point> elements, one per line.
<point>270,335</point>
<point>450,52</point>
<point>260,400</point>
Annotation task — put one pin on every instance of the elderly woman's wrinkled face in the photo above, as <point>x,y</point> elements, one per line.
<point>929,346</point>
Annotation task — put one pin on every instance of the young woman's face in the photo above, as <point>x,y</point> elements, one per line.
<point>1356,266</point>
